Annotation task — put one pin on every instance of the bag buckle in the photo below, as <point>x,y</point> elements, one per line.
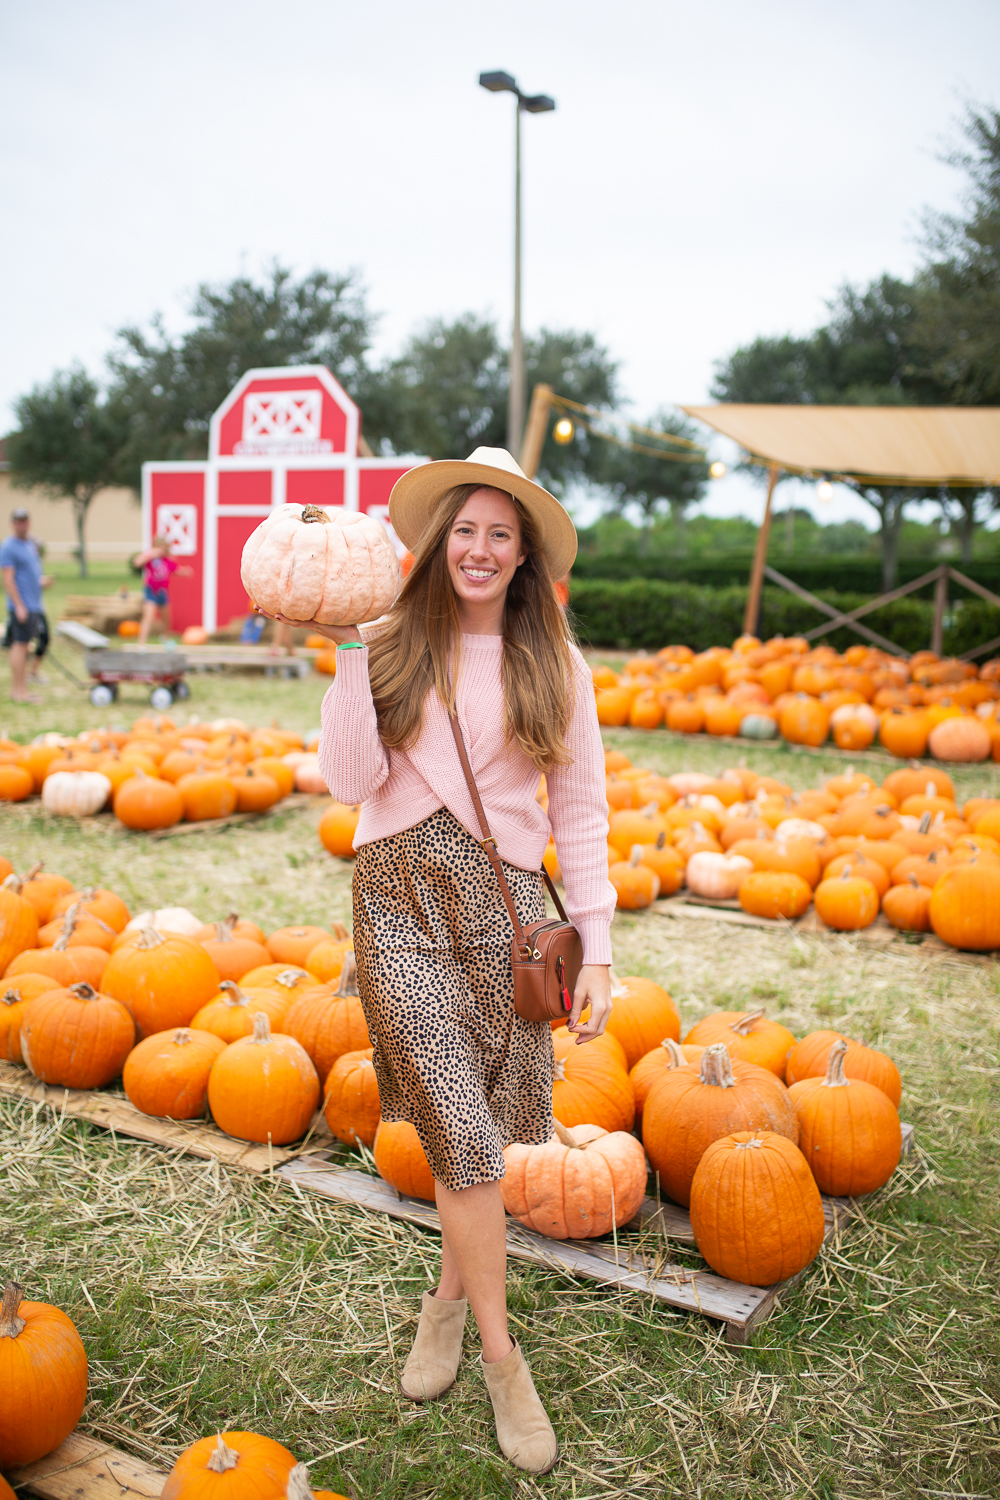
<point>525,953</point>
<point>490,840</point>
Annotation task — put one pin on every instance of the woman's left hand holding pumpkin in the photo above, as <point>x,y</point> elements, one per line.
<point>593,988</point>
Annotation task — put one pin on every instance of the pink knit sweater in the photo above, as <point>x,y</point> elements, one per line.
<point>402,788</point>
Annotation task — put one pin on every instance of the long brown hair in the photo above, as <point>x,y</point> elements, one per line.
<point>419,646</point>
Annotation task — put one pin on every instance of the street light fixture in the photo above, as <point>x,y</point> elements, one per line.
<point>533,104</point>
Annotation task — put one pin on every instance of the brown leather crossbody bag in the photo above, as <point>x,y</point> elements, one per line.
<point>545,957</point>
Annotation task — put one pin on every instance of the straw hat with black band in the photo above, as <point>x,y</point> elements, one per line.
<point>415,497</point>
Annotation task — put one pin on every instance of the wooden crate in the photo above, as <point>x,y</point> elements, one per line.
<point>83,1469</point>
<point>636,1260</point>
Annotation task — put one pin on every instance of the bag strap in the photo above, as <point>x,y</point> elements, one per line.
<point>488,843</point>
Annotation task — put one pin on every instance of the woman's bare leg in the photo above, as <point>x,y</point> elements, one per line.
<point>474,1259</point>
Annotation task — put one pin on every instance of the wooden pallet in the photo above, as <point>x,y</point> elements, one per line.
<point>83,1469</point>
<point>636,1259</point>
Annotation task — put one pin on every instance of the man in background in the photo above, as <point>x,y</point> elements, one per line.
<point>23,582</point>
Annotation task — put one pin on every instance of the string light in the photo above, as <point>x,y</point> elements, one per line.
<point>716,470</point>
<point>563,431</point>
<point>824,492</point>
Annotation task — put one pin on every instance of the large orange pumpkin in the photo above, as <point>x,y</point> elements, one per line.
<point>162,980</point>
<point>585,1183</point>
<point>642,1015</point>
<point>255,791</point>
<point>861,868</point>
<point>97,902</point>
<point>810,1057</point>
<point>337,828</point>
<point>351,1100</point>
<point>263,1087</point>
<point>74,929</point>
<point>18,923</point>
<point>907,907</point>
<point>43,1377</point>
<point>293,945</point>
<point>330,1022</point>
<point>756,1211</point>
<point>206,794</point>
<point>770,893</point>
<point>846,903</point>
<point>805,721</point>
<point>965,906</point>
<point>65,965</point>
<point>76,1037</point>
<point>167,1074</point>
<point>326,960</point>
<point>965,739</point>
<point>904,733</point>
<point>401,1161</point>
<point>145,802</point>
<point>636,885</point>
<point>230,1466</point>
<point>849,1130</point>
<point>230,1014</point>
<point>234,953</point>
<point>749,1035</point>
<point>692,1106</point>
<point>591,1087</point>
<point>669,1054</point>
<point>15,997</point>
<point>43,890</point>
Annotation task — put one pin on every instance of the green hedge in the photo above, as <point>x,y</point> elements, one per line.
<point>842,573</point>
<point>647,613</point>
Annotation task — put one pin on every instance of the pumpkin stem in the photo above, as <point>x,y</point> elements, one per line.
<point>348,976</point>
<point>836,1078</point>
<point>69,925</point>
<point>314,513</point>
<point>340,932</point>
<point>661,839</point>
<point>10,1324</point>
<point>753,1145</point>
<point>261,1028</point>
<point>297,1484</point>
<point>289,978</point>
<point>36,869</point>
<point>560,1071</point>
<point>566,1136</point>
<point>649,809</point>
<point>717,1067</point>
<point>924,824</point>
<point>12,997</point>
<point>617,988</point>
<point>234,995</point>
<point>222,1458</point>
<point>182,1037</point>
<point>747,1022</point>
<point>83,991</point>
<point>635,857</point>
<point>150,938</point>
<point>676,1056</point>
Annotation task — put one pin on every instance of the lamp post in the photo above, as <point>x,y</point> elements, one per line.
<point>534,104</point>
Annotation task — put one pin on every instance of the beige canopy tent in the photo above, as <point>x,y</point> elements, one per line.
<point>891,445</point>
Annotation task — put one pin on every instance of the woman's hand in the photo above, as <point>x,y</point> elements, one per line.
<point>339,633</point>
<point>593,988</point>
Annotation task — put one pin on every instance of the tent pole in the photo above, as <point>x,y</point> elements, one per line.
<point>940,605</point>
<point>534,433</point>
<point>752,614</point>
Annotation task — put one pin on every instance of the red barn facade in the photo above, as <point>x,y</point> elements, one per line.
<point>288,436</point>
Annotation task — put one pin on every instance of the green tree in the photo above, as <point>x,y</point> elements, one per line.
<point>957,294</point>
<point>170,388</point>
<point>68,441</point>
<point>634,477</point>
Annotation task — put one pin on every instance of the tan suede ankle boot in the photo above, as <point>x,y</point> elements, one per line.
<point>524,1431</point>
<point>437,1349</point>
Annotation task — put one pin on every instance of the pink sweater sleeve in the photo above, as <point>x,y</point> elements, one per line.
<point>578,812</point>
<point>352,759</point>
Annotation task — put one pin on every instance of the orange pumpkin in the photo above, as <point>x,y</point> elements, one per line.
<point>162,980</point>
<point>769,893</point>
<point>804,721</point>
<point>627,827</point>
<point>810,1058</point>
<point>96,902</point>
<point>666,863</point>
<point>907,907</point>
<point>965,906</point>
<point>965,739</point>
<point>144,802</point>
<point>642,1015</point>
<point>350,1099</point>
<point>15,997</point>
<point>926,869</point>
<point>230,1014</point>
<point>636,885</point>
<point>16,783</point>
<point>18,923</point>
<point>65,965</point>
<point>669,1054</point>
<point>206,794</point>
<point>689,1107</point>
<point>904,733</point>
<point>293,945</point>
<point>76,1037</point>
<point>337,828</point>
<point>230,1465</point>
<point>786,856</point>
<point>749,1035</point>
<point>263,1087</point>
<point>42,890</point>
<point>234,953</point>
<point>585,1183</point>
<point>912,781</point>
<point>401,1161</point>
<point>591,1087</point>
<point>330,1022</point>
<point>75,930</point>
<point>326,960</point>
<point>756,1211</point>
<point>43,1376</point>
<point>167,1074</point>
<point>847,903</point>
<point>849,1130</point>
<point>864,869</point>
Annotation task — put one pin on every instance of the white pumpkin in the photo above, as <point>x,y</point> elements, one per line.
<point>168,919</point>
<point>758,727</point>
<point>308,777</point>
<point>863,711</point>
<point>716,876</point>
<point>801,828</point>
<point>334,567</point>
<point>689,783</point>
<point>75,794</point>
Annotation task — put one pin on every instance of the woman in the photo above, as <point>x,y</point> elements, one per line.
<point>476,625</point>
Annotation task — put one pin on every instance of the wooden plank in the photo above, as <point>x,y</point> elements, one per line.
<point>193,1137</point>
<point>83,1469</point>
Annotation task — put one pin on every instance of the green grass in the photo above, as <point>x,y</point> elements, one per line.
<point>209,1300</point>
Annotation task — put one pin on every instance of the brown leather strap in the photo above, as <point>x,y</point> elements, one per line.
<point>488,842</point>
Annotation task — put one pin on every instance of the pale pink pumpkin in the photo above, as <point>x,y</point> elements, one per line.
<point>308,564</point>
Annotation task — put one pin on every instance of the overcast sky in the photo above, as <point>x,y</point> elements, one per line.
<point>712,171</point>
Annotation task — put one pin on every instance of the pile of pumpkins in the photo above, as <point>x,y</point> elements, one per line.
<point>43,1375</point>
<point>156,774</point>
<point>851,847</point>
<point>257,1029</point>
<point>762,690</point>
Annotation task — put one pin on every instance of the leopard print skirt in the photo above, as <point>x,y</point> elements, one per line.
<point>432,940</point>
